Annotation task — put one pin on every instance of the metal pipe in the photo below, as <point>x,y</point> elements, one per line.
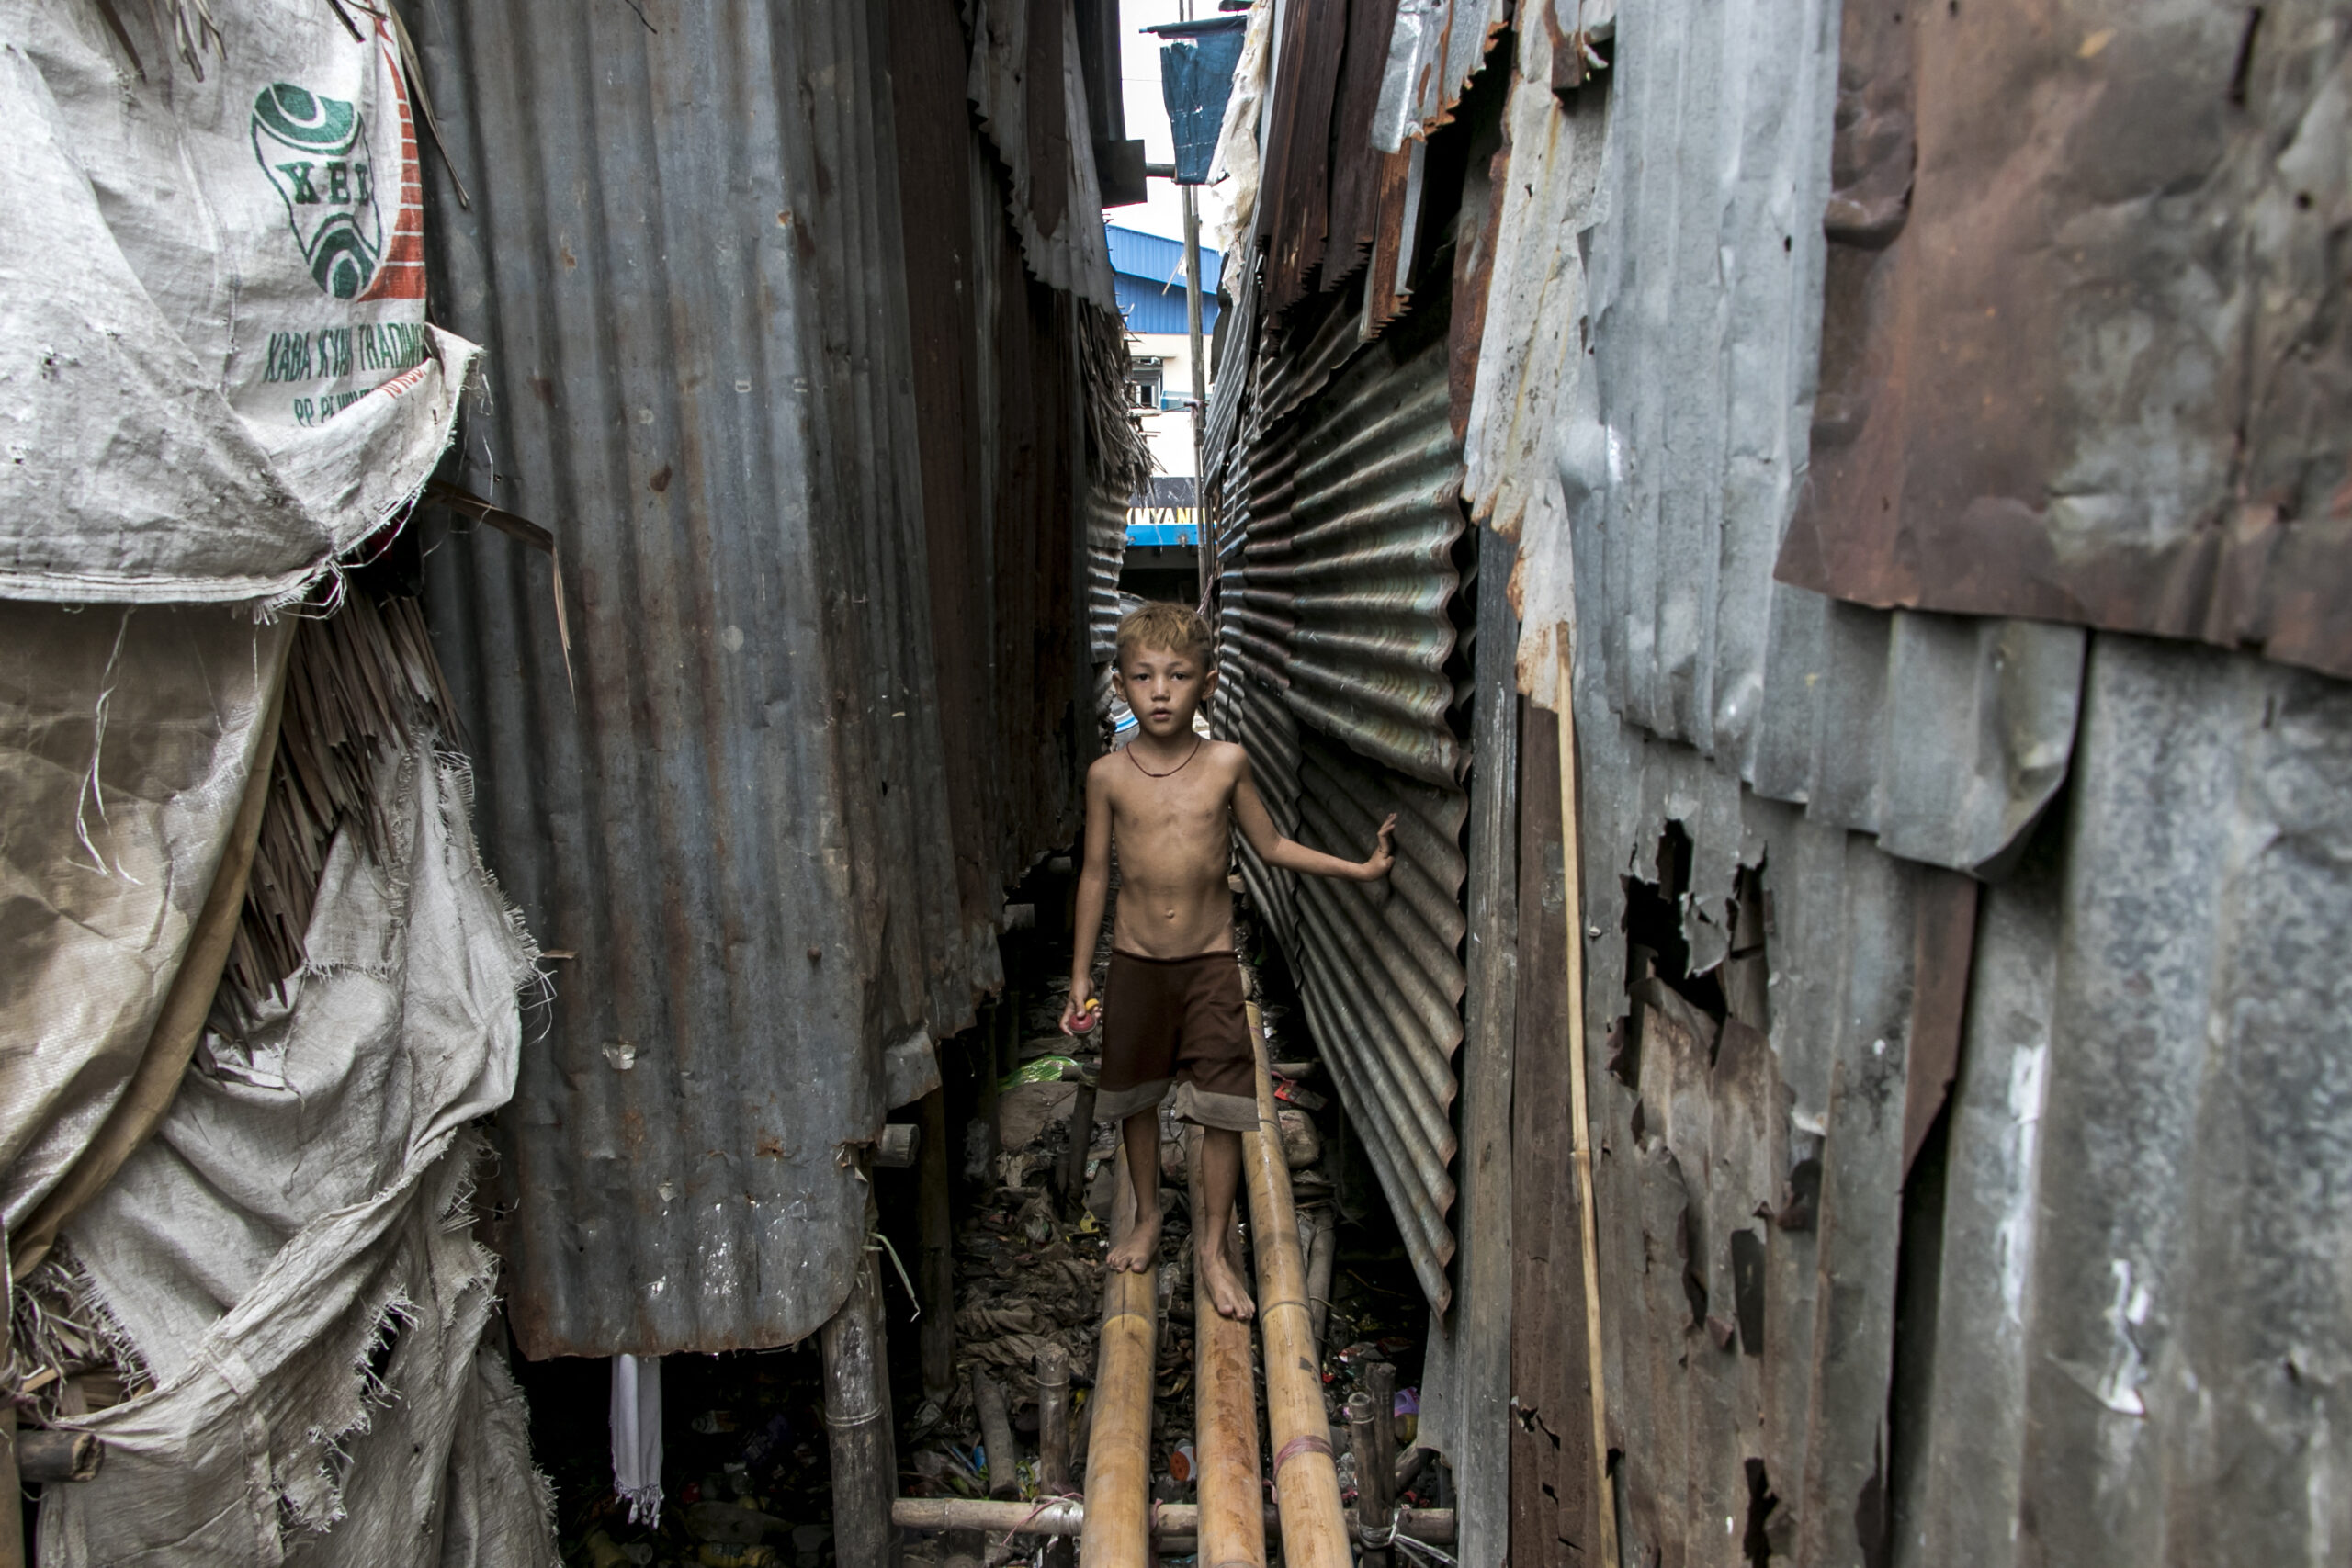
<point>1307,1481</point>
<point>1202,554</point>
<point>1003,1455</point>
<point>1118,1467</point>
<point>1232,1529</point>
<point>1435,1526</point>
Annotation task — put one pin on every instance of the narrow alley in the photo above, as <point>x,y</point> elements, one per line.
<point>1689,647</point>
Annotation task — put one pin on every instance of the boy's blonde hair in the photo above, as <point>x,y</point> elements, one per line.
<point>1167,628</point>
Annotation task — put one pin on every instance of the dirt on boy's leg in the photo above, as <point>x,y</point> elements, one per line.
<point>1216,1249</point>
<point>1138,1250</point>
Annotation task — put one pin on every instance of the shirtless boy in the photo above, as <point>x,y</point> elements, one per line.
<point>1173,1014</point>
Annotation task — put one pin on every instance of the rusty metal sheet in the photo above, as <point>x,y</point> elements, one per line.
<point>1675,451</point>
<point>725,799</point>
<point>1027,85</point>
<point>2081,360</point>
<point>1434,49</point>
<point>1749,1144</point>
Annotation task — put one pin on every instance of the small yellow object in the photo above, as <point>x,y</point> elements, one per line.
<point>716,1554</point>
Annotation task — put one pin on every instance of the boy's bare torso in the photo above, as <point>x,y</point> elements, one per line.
<point>1174,838</point>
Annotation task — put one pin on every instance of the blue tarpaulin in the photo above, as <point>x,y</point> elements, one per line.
<point>1196,78</point>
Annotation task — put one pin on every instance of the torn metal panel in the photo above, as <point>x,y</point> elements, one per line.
<point>736,821</point>
<point>1750,1151</point>
<point>1434,49</point>
<point>1680,445</point>
<point>2081,359</point>
<point>1027,85</point>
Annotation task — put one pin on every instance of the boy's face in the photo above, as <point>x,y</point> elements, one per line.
<point>1164,687</point>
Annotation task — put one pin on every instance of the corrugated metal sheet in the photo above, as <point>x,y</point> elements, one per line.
<point>2143,1227</point>
<point>2084,1334</point>
<point>779,576</point>
<point>1028,87</point>
<point>1327,202</point>
<point>2065,1310</point>
<point>1434,50</point>
<point>1337,640</point>
<point>2117,235</point>
<point>1681,449</point>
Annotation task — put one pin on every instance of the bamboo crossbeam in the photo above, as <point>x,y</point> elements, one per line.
<point>1232,1531</point>
<point>1118,1450</point>
<point>1168,1521</point>
<point>1307,1481</point>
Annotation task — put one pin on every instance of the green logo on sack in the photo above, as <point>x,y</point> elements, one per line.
<point>314,150</point>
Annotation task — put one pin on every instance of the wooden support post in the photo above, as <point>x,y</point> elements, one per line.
<point>1118,1464</point>
<point>1069,1176</point>
<point>1307,1481</point>
<point>1053,1420</point>
<point>1053,1442</point>
<point>935,1229</point>
<point>45,1456</point>
<point>857,1419</point>
<point>996,1436</point>
<point>12,1511</point>
<point>1372,1432</point>
<point>1232,1531</point>
<point>1604,1494</point>
<point>1322,1256</point>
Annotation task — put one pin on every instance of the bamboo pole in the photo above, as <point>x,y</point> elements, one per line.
<point>1322,1256</point>
<point>1307,1483</point>
<point>1052,1419</point>
<point>857,1419</point>
<point>936,1228</point>
<point>12,1513</point>
<point>1118,1467</point>
<point>1170,1520</point>
<point>1225,1405</point>
<point>1372,1433</point>
<point>1604,1498</point>
<point>1003,1454</point>
<point>1069,1176</point>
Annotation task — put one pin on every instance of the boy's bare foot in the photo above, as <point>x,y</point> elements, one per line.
<point>1223,1276</point>
<point>1139,1252</point>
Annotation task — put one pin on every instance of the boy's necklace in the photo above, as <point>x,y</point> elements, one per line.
<point>1170,772</point>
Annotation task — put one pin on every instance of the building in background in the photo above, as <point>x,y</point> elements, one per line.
<point>1147,276</point>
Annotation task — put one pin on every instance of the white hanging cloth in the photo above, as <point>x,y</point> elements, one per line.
<point>636,1436</point>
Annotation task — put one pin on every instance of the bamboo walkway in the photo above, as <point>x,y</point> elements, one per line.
<point>1116,1523</point>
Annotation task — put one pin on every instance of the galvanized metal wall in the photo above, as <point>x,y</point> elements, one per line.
<point>825,661</point>
<point>1337,599</point>
<point>1941,1220</point>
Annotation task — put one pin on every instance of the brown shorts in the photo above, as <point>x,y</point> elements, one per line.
<point>1179,1022</point>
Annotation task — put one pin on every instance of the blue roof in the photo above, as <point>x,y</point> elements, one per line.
<point>1149,280</point>
<point>1153,259</point>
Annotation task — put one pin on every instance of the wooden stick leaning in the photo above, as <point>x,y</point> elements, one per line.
<point>1118,1447</point>
<point>1604,1498</point>
<point>1225,1415</point>
<point>1306,1480</point>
